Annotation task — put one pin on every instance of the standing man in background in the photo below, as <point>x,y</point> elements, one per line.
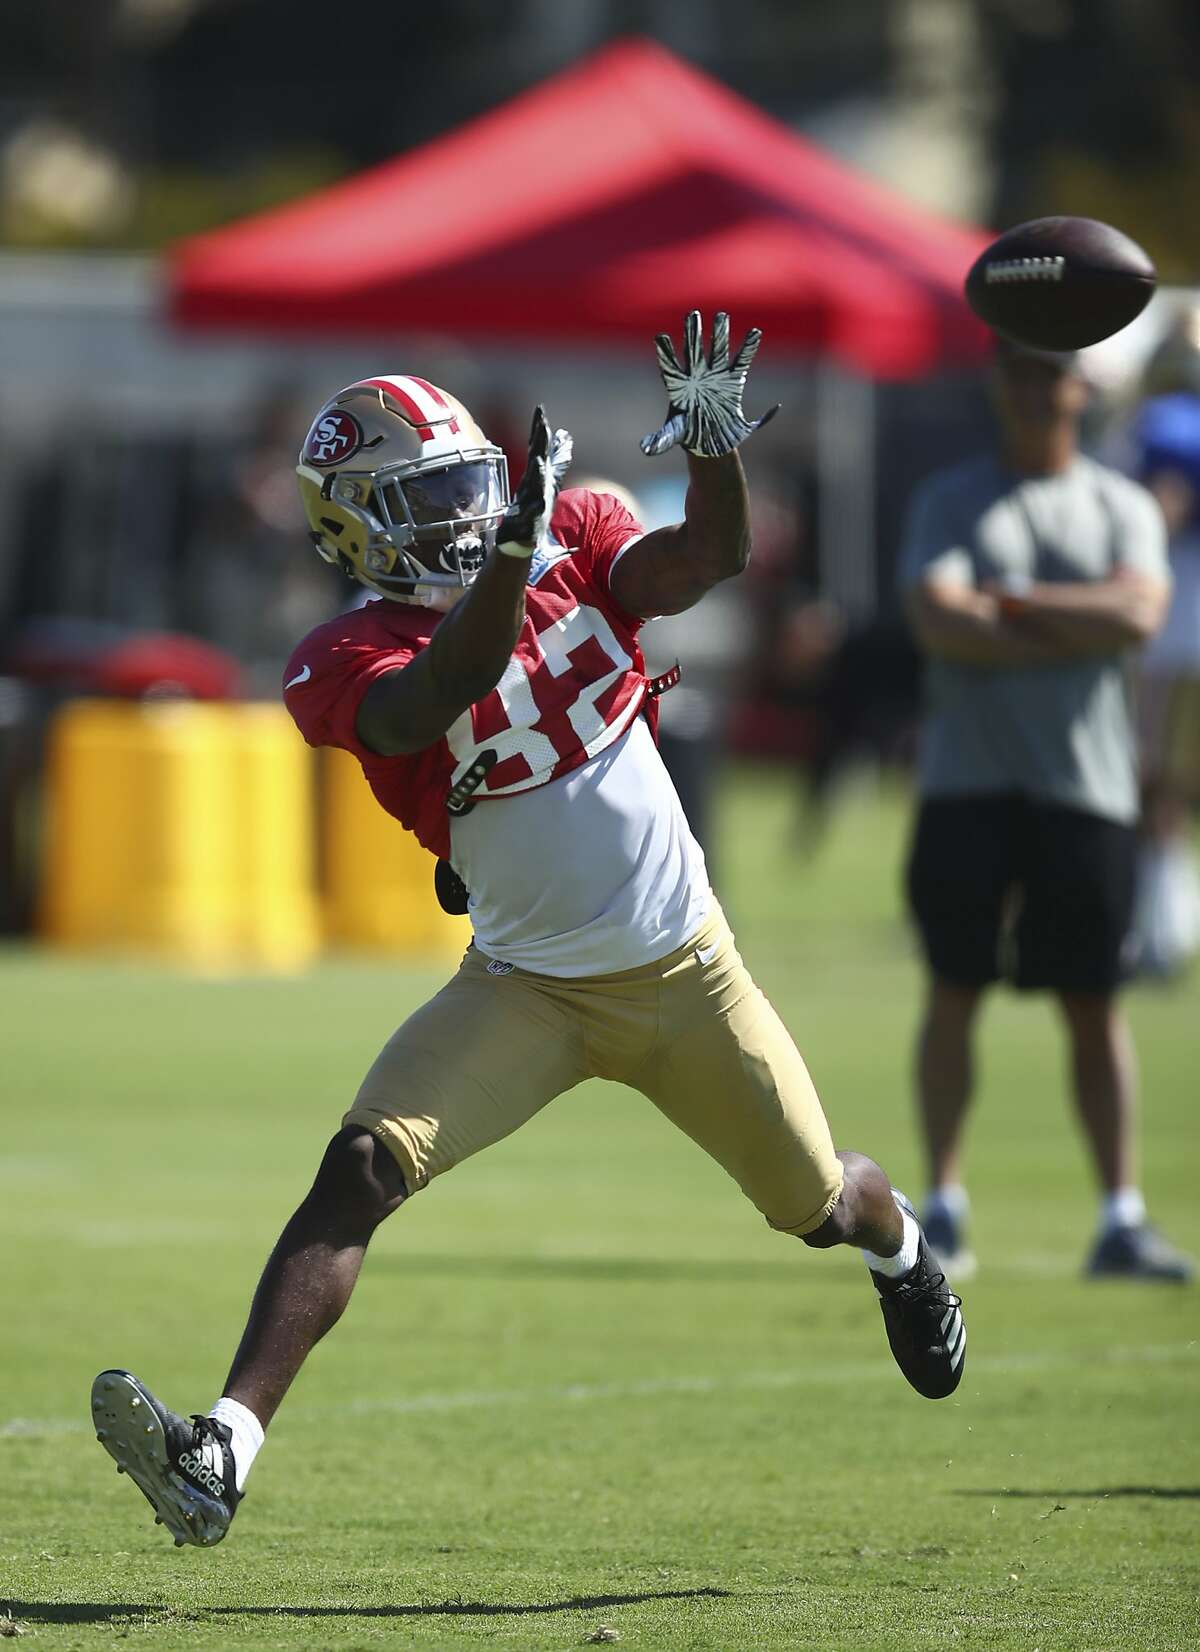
<point>1029,574</point>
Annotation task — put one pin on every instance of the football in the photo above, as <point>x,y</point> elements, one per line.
<point>1060,283</point>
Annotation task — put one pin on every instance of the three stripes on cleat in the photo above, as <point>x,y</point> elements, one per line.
<point>954,1334</point>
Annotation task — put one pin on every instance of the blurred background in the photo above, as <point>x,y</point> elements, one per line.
<point>508,199</point>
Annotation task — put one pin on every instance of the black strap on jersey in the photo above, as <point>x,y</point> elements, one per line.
<point>458,799</point>
<point>659,685</point>
<point>449,888</point>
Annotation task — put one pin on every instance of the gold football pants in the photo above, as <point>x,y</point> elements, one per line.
<point>692,1032</point>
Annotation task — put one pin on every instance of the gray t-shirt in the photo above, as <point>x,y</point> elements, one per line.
<point>1061,732</point>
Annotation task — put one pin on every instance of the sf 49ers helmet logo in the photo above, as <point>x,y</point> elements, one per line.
<point>335,436</point>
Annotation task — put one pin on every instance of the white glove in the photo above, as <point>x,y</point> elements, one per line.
<point>705,397</point>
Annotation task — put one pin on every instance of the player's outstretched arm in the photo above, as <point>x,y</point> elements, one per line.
<point>407,710</point>
<point>671,569</point>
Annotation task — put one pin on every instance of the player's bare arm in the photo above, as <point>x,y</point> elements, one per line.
<point>1099,617</point>
<point>670,570</point>
<point>957,622</point>
<point>407,710</point>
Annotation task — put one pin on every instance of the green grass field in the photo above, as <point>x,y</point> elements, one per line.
<point>581,1384</point>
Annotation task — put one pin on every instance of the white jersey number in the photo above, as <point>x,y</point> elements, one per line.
<point>516,692</point>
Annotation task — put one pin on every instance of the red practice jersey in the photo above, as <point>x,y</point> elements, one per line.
<point>574,684</point>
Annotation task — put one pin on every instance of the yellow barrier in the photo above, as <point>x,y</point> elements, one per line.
<point>180,829</point>
<point>377,880</point>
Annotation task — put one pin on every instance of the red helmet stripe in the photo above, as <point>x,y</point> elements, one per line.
<point>409,402</point>
<point>429,389</point>
<point>437,396</point>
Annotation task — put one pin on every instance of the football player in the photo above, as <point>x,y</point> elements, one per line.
<point>496,697</point>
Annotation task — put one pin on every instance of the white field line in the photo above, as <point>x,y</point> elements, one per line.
<point>582,1393</point>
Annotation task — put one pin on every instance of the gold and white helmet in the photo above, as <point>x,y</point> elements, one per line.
<point>402,489</point>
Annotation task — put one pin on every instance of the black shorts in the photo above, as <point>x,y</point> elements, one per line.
<point>1004,887</point>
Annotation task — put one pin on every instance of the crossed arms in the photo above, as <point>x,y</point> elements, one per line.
<point>1042,624</point>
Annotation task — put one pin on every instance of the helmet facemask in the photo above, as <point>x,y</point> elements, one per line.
<point>442,521</point>
<point>426,534</point>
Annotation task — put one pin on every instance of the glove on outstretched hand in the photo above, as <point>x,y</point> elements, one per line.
<point>523,526</point>
<point>705,412</point>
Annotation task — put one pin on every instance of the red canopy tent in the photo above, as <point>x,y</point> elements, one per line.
<point>596,207</point>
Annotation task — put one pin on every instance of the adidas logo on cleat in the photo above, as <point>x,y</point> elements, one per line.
<point>194,1466</point>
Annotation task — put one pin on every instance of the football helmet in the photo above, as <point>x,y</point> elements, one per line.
<point>402,490</point>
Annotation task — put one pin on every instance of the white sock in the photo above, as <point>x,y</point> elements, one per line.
<point>247,1434</point>
<point>1123,1209</point>
<point>948,1199</point>
<point>905,1259</point>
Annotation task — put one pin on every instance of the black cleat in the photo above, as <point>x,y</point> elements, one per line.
<point>1138,1252</point>
<point>183,1465</point>
<point>925,1328</point>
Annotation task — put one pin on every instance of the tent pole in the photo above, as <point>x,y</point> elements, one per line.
<point>845,446</point>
